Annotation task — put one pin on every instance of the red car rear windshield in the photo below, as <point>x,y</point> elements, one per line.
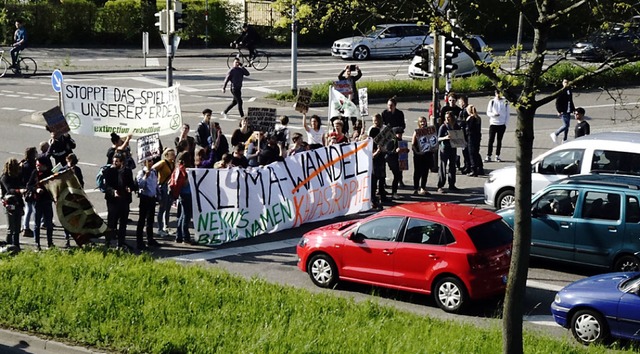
<point>491,235</point>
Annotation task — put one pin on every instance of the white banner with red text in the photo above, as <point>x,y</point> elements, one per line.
<point>325,183</point>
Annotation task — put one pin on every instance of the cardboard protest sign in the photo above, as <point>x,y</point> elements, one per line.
<point>403,157</point>
<point>456,137</point>
<point>384,137</point>
<point>344,87</point>
<point>427,138</point>
<point>321,184</point>
<point>149,147</point>
<point>261,119</point>
<point>363,101</point>
<point>56,122</point>
<point>303,100</point>
<point>98,110</point>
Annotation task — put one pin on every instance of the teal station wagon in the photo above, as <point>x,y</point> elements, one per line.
<point>587,219</point>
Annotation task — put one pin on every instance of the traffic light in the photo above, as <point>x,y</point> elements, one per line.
<point>162,24</point>
<point>426,65</point>
<point>179,16</point>
<point>450,47</point>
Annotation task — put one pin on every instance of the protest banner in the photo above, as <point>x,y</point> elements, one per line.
<point>384,137</point>
<point>456,138</point>
<point>303,100</point>
<point>403,157</point>
<point>320,184</point>
<point>56,122</point>
<point>344,87</point>
<point>75,212</point>
<point>261,119</point>
<point>148,147</point>
<point>98,110</point>
<point>427,138</point>
<point>340,106</point>
<point>363,101</point>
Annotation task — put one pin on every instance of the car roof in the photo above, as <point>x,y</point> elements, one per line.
<point>631,137</point>
<point>450,214</point>
<point>614,141</point>
<point>399,24</point>
<point>603,180</point>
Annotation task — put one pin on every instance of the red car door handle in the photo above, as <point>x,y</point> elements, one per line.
<point>387,251</point>
<point>433,256</point>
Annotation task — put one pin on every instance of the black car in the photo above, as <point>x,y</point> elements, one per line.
<point>617,41</point>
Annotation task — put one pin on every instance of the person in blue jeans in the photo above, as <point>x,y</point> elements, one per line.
<point>19,42</point>
<point>43,201</point>
<point>448,154</point>
<point>564,107</point>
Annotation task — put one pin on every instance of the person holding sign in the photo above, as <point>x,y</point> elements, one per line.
<point>448,154</point>
<point>147,179</point>
<point>235,75</point>
<point>346,75</point>
<point>422,156</point>
<point>315,133</point>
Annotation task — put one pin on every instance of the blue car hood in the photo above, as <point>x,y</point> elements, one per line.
<point>603,283</point>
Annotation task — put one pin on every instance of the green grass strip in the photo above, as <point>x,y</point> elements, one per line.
<point>134,304</point>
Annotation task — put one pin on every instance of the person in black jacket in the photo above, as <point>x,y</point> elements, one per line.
<point>204,128</point>
<point>120,184</point>
<point>564,107</point>
<point>44,201</point>
<point>248,38</point>
<point>13,188</point>
<point>60,146</point>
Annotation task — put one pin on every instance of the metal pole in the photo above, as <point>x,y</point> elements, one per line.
<point>206,23</point>
<point>519,40</point>
<point>436,74</point>
<point>294,51</point>
<point>169,46</point>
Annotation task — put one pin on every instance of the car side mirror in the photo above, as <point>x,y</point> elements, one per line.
<point>383,36</point>
<point>535,212</point>
<point>534,168</point>
<point>355,237</point>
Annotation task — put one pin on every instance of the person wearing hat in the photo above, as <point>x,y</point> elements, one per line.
<point>582,128</point>
<point>448,154</point>
<point>392,157</point>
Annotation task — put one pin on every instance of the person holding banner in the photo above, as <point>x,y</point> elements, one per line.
<point>448,154</point>
<point>315,133</point>
<point>147,179</point>
<point>44,201</point>
<point>184,197</point>
<point>235,75</point>
<point>337,136</point>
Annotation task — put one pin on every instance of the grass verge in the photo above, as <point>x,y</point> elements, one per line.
<point>134,304</point>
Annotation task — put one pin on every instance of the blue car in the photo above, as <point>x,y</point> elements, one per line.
<point>601,307</point>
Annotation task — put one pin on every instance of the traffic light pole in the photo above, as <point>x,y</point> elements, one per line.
<point>436,74</point>
<point>169,47</point>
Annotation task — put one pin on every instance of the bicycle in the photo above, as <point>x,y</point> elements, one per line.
<point>259,63</point>
<point>26,66</point>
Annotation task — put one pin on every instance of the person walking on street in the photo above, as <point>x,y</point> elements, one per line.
<point>448,154</point>
<point>19,42</point>
<point>564,107</point>
<point>147,191</point>
<point>498,112</point>
<point>582,128</point>
<point>235,75</point>
<point>120,184</point>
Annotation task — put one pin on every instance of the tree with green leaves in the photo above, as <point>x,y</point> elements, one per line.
<point>544,20</point>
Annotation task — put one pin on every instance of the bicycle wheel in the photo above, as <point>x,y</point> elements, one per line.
<point>232,57</point>
<point>261,61</point>
<point>27,66</point>
<point>3,67</point>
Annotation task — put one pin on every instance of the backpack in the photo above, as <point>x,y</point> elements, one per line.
<point>100,182</point>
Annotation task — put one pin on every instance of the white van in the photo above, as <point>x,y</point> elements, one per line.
<point>613,152</point>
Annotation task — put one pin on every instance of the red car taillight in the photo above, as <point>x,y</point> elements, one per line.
<point>489,260</point>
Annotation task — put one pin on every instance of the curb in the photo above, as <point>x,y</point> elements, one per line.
<point>15,342</point>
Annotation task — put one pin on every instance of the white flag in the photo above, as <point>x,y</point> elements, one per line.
<point>340,105</point>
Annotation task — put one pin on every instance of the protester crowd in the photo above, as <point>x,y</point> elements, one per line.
<point>162,181</point>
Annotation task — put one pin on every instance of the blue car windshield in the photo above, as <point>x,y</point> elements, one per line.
<point>631,285</point>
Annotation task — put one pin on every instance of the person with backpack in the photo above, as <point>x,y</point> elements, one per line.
<point>147,179</point>
<point>119,185</point>
<point>164,168</point>
<point>12,191</point>
<point>203,131</point>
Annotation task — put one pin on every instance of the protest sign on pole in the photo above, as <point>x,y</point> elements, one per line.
<point>456,138</point>
<point>261,119</point>
<point>340,106</point>
<point>403,157</point>
<point>148,147</point>
<point>303,100</point>
<point>320,184</point>
<point>427,138</point>
<point>55,121</point>
<point>384,137</point>
<point>344,87</point>
<point>363,101</point>
<point>98,110</point>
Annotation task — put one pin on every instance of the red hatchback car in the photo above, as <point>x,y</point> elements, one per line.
<point>457,253</point>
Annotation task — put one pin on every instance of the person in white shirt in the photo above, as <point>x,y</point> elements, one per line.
<point>498,112</point>
<point>315,133</point>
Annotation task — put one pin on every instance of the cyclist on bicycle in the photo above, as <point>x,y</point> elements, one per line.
<point>248,38</point>
<point>19,42</point>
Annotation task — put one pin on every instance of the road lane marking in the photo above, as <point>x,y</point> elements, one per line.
<point>235,251</point>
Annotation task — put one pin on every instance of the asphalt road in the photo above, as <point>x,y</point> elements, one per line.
<point>272,256</point>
